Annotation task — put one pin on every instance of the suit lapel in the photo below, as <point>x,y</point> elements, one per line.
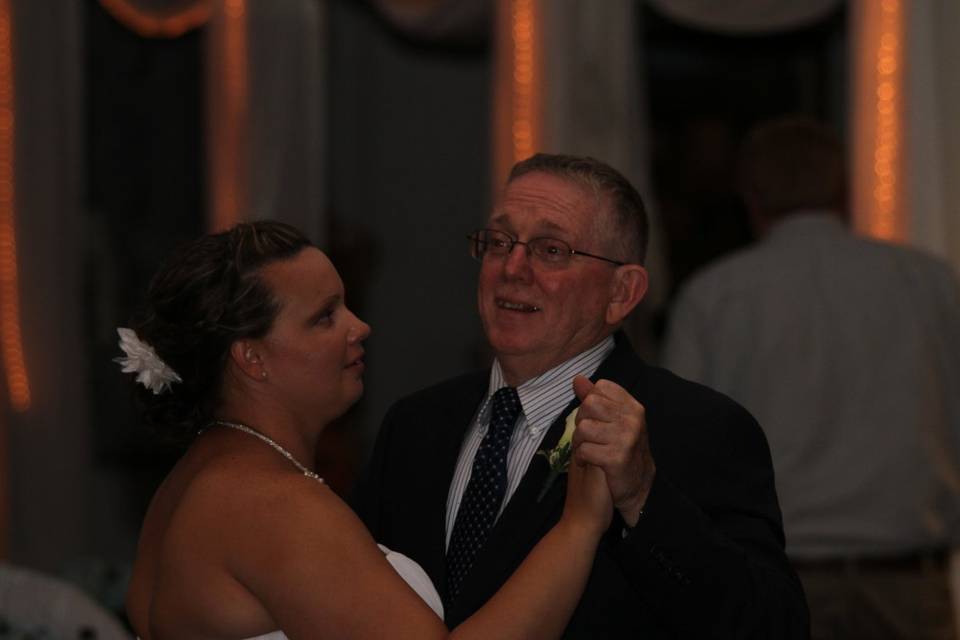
<point>623,367</point>
<point>449,425</point>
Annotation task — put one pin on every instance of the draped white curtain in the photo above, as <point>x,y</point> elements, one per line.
<point>265,113</point>
<point>932,146</point>
<point>932,127</point>
<point>50,454</point>
<point>286,111</point>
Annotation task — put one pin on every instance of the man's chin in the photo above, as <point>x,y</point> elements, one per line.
<point>511,345</point>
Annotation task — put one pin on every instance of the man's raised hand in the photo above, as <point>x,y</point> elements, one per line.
<point>612,434</point>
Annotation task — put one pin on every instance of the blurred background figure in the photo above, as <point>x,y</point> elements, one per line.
<point>42,607</point>
<point>847,351</point>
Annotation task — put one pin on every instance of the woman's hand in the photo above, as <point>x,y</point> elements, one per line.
<point>588,502</point>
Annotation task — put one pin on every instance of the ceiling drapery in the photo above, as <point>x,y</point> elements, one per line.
<point>439,20</point>
<point>160,18</point>
<point>745,16</point>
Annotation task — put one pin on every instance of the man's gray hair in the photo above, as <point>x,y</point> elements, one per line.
<point>626,225</point>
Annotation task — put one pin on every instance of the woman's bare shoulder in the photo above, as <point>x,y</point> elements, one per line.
<point>316,568</point>
<point>249,493</point>
<point>213,530</point>
<point>251,503</point>
<point>287,543</point>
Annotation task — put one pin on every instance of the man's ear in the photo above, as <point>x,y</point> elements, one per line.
<point>246,358</point>
<point>627,289</point>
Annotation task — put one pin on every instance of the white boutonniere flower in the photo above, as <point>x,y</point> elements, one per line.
<point>152,372</point>
<point>559,457</point>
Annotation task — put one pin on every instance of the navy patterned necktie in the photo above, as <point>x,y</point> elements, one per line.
<point>484,493</point>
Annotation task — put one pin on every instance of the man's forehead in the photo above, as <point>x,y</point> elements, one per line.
<point>504,219</point>
<point>546,206</point>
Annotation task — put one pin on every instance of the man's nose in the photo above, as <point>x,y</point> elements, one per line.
<point>517,263</point>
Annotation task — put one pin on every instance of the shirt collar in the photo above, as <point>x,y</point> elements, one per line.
<point>806,222</point>
<point>544,396</point>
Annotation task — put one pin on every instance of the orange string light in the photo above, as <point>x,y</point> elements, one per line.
<point>153,24</point>
<point>525,120</point>
<point>10,336</point>
<point>517,100</point>
<point>885,222</point>
<point>229,122</point>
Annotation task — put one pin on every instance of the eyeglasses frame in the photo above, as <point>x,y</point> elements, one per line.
<point>515,241</point>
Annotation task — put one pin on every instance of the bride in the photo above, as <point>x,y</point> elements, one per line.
<point>246,338</point>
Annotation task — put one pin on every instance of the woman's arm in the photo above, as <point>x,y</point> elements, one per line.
<point>317,570</point>
<point>539,598</point>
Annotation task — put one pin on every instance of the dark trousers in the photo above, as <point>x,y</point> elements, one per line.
<point>900,598</point>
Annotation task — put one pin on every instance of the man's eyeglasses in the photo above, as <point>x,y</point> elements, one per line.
<point>490,242</point>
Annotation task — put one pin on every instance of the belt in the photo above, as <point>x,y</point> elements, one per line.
<point>930,559</point>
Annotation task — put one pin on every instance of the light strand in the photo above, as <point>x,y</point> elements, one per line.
<point>886,189</point>
<point>11,341</point>
<point>524,121</point>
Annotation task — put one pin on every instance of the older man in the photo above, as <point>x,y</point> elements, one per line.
<point>697,547</point>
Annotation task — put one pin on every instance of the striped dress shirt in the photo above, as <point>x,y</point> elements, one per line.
<point>542,399</point>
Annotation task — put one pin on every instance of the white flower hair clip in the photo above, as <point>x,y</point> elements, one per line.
<point>152,372</point>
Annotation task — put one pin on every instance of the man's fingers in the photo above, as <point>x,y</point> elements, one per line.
<point>604,394</point>
<point>596,431</point>
<point>591,453</point>
<point>613,391</point>
<point>598,407</point>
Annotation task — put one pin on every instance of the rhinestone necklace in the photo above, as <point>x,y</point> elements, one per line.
<point>286,454</point>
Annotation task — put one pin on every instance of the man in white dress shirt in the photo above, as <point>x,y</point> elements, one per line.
<point>847,351</point>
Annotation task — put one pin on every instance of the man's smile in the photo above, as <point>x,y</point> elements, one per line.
<point>515,305</point>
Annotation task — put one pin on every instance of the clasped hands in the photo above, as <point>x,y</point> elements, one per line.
<point>611,434</point>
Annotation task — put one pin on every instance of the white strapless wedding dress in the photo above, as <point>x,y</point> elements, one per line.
<point>411,572</point>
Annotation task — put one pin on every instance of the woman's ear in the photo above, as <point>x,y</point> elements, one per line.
<point>627,289</point>
<point>246,358</point>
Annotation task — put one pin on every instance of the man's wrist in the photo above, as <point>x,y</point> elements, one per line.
<point>631,510</point>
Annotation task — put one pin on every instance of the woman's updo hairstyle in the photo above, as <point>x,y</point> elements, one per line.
<point>203,299</point>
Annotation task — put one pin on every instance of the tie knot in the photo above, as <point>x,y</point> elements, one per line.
<point>506,408</point>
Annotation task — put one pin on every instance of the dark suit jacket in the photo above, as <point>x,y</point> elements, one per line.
<point>705,560</point>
